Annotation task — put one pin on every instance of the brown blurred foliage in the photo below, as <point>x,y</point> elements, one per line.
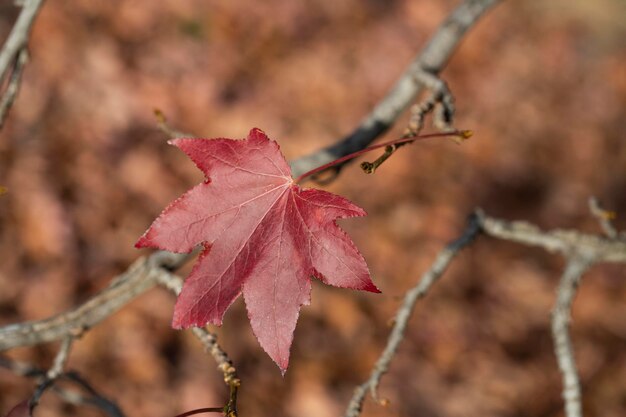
<point>542,84</point>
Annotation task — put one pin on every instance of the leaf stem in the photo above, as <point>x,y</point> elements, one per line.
<point>462,134</point>
<point>201,411</point>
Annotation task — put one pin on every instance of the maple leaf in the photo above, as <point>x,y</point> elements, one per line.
<point>263,236</point>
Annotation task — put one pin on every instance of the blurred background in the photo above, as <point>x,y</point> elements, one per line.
<point>541,83</point>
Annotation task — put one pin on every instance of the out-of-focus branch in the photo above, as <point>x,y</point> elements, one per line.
<point>141,276</point>
<point>18,38</point>
<point>604,217</point>
<point>567,242</point>
<point>581,251</point>
<point>13,86</point>
<point>166,128</point>
<point>175,285</point>
<point>14,54</point>
<point>576,267</point>
<point>431,59</point>
<point>92,397</point>
<point>404,314</point>
<point>55,371</point>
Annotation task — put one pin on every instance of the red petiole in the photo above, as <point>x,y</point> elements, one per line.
<point>463,134</point>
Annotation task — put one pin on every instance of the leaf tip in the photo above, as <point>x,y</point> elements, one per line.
<point>180,321</point>
<point>372,288</point>
<point>142,242</point>
<point>255,132</point>
<point>282,363</point>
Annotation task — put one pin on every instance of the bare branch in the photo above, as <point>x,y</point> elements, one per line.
<point>575,268</point>
<point>604,217</point>
<point>141,276</point>
<point>53,373</point>
<point>432,59</point>
<point>566,242</point>
<point>60,359</point>
<point>18,38</point>
<point>93,398</point>
<point>13,86</point>
<point>175,285</point>
<point>166,128</point>
<point>403,316</point>
<point>581,250</point>
<point>14,54</point>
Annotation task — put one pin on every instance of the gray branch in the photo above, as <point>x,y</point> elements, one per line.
<point>175,285</point>
<point>433,58</point>
<point>93,398</point>
<point>14,54</point>
<point>18,38</point>
<point>575,268</point>
<point>55,371</point>
<point>13,86</point>
<point>582,251</point>
<point>142,275</point>
<point>404,313</point>
<point>566,242</point>
<point>604,217</point>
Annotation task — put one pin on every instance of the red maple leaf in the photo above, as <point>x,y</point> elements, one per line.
<point>263,235</point>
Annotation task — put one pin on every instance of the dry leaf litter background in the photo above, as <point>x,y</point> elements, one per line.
<point>542,84</point>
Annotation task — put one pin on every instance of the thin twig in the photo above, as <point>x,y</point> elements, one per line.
<point>21,368</point>
<point>53,373</point>
<point>209,340</point>
<point>14,55</point>
<point>404,314</point>
<point>201,411</point>
<point>60,359</point>
<point>575,268</point>
<point>604,217</point>
<point>566,242</point>
<point>140,277</point>
<point>18,38</point>
<point>166,128</point>
<point>13,86</point>
<point>94,399</point>
<point>440,98</point>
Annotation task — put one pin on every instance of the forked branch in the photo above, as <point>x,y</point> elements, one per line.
<point>581,250</point>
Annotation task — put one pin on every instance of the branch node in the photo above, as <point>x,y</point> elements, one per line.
<point>370,167</point>
<point>604,217</point>
<point>440,102</point>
